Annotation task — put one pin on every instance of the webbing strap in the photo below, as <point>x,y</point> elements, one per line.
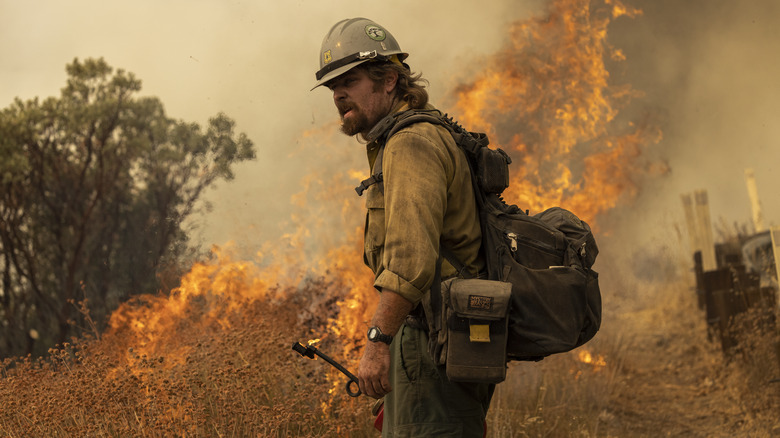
<point>435,315</point>
<point>390,124</point>
<point>455,262</point>
<point>433,308</point>
<point>368,182</point>
<point>376,177</point>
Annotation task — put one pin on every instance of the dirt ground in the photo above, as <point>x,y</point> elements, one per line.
<point>677,383</point>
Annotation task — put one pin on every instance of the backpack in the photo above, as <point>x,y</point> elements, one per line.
<point>555,302</point>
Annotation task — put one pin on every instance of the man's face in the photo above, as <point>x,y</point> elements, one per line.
<point>360,101</point>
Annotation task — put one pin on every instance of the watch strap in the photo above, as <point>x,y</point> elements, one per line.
<point>380,337</point>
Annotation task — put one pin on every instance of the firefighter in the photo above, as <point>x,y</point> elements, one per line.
<point>423,198</point>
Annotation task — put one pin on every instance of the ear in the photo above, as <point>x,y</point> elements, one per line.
<point>391,79</point>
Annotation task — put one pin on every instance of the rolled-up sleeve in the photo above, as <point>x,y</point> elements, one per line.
<point>417,169</point>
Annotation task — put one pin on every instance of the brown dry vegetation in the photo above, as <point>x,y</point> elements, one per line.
<point>661,377</point>
<point>224,367</point>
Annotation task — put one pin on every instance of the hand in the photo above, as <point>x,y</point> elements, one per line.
<point>374,370</point>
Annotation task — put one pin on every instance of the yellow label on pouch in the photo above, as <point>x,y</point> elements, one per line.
<point>479,332</point>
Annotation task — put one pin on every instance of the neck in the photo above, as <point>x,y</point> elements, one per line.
<point>371,134</point>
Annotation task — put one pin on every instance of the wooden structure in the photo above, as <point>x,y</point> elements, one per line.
<point>755,204</point>
<point>737,281</point>
<point>726,293</point>
<point>697,217</point>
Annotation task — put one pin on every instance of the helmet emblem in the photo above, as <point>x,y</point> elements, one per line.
<point>327,57</point>
<point>375,32</point>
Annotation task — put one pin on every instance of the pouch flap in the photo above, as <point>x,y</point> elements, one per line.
<point>481,299</point>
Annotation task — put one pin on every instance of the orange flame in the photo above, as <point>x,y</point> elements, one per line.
<point>545,98</point>
<point>598,362</point>
<point>207,293</point>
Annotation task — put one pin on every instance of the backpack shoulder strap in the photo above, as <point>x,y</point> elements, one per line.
<point>470,142</point>
<point>385,129</point>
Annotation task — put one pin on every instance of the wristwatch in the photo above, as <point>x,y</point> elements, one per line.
<point>376,335</point>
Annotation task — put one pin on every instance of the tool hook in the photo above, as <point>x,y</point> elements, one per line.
<point>310,350</point>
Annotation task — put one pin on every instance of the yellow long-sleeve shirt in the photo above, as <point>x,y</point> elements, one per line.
<point>427,198</point>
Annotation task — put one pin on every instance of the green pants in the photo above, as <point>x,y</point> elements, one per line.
<point>423,403</point>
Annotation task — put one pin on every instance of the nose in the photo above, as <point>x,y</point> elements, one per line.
<point>339,93</point>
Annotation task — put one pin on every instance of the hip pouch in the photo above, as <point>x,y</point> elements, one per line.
<point>475,314</point>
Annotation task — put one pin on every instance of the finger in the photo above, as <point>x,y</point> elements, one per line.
<point>378,388</point>
<point>386,385</point>
<point>362,385</point>
<point>367,387</point>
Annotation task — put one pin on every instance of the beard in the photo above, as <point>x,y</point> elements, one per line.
<point>357,122</point>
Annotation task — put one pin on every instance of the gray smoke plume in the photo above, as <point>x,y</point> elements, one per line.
<point>709,72</point>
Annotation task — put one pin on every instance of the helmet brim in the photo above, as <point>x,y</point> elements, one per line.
<point>338,72</point>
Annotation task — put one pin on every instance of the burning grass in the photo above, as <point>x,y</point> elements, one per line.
<point>200,375</point>
<point>224,367</point>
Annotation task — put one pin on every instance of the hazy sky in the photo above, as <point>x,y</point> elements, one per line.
<point>709,70</point>
<point>254,60</point>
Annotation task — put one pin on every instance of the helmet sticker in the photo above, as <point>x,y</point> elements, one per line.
<point>327,57</point>
<point>375,32</point>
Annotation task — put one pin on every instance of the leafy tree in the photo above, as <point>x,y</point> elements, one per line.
<point>94,188</point>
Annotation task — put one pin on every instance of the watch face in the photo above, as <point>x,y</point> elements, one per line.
<point>373,333</point>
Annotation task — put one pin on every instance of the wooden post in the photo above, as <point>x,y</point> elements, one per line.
<point>755,204</point>
<point>690,220</point>
<point>775,233</point>
<point>697,216</point>
<point>704,225</point>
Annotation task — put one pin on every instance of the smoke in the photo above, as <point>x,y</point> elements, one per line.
<point>708,71</point>
<point>253,60</point>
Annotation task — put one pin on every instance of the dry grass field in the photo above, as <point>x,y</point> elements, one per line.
<point>214,359</point>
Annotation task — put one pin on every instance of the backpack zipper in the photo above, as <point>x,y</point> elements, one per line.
<point>513,243</point>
